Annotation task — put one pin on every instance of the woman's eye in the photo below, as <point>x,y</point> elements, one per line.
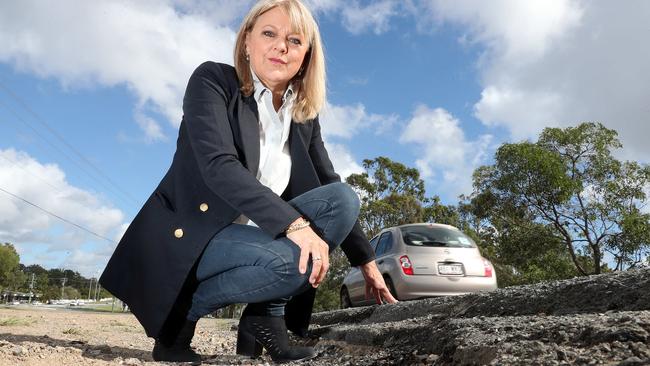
<point>295,41</point>
<point>268,33</point>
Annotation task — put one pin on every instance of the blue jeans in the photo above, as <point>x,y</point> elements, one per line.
<point>244,264</point>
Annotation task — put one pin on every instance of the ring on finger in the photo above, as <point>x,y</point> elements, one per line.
<point>316,259</point>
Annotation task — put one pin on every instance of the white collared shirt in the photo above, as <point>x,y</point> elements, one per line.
<point>275,161</point>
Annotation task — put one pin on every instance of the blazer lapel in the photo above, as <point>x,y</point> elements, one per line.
<point>250,132</point>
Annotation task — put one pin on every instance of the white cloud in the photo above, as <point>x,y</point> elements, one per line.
<point>85,262</point>
<point>45,185</point>
<point>343,161</point>
<point>222,12</point>
<point>500,104</point>
<point>446,154</point>
<point>147,46</point>
<point>359,18</point>
<point>375,16</point>
<point>344,121</point>
<point>323,6</point>
<point>559,63</point>
<point>152,130</point>
<point>151,47</point>
<point>514,29</point>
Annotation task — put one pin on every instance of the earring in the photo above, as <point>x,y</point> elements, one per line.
<point>248,58</point>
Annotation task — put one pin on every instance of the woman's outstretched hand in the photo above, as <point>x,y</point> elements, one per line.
<point>312,245</point>
<point>375,284</point>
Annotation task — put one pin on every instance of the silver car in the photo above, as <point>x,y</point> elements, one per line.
<point>423,260</point>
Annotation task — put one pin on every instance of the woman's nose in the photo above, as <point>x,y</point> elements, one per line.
<point>281,45</point>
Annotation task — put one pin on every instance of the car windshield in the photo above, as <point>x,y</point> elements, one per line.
<point>436,236</point>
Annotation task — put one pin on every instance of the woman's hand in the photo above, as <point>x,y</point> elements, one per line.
<point>311,244</point>
<point>375,284</point>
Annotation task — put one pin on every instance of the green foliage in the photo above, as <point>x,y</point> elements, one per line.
<point>13,321</point>
<point>71,293</point>
<point>9,261</point>
<point>50,293</point>
<point>72,331</point>
<point>435,211</point>
<point>327,296</point>
<point>47,282</point>
<point>391,194</point>
<point>555,206</point>
<point>16,280</point>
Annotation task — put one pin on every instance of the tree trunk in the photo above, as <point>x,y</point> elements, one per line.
<point>597,259</point>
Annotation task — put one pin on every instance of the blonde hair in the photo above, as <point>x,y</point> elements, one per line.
<point>308,85</point>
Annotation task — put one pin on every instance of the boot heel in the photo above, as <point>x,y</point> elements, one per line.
<point>247,345</point>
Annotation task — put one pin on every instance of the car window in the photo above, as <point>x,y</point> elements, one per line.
<point>435,236</point>
<point>373,243</point>
<point>385,243</point>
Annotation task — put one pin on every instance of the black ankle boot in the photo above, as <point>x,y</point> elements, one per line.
<point>179,350</point>
<point>269,332</point>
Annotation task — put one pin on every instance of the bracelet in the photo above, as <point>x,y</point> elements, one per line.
<point>297,225</point>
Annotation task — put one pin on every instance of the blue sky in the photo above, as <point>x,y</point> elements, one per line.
<point>436,85</point>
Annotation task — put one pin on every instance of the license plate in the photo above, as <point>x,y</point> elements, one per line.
<point>450,269</point>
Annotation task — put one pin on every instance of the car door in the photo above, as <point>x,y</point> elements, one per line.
<point>384,246</point>
<point>355,282</point>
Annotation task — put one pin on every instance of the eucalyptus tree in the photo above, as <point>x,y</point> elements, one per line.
<point>573,190</point>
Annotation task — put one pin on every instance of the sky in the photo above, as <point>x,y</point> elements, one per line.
<point>91,96</point>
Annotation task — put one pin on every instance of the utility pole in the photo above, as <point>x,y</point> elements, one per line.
<point>63,286</point>
<point>31,289</point>
<point>90,287</point>
<point>96,289</point>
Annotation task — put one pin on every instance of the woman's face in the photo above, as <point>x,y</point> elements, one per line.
<point>276,52</point>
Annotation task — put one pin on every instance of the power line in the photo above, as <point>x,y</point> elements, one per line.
<point>57,216</point>
<point>57,189</point>
<point>62,152</point>
<point>58,136</point>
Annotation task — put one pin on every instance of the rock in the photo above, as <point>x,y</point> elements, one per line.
<point>131,362</point>
<point>632,361</point>
<point>105,349</point>
<point>20,351</point>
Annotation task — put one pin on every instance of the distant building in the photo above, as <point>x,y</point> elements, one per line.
<point>11,296</point>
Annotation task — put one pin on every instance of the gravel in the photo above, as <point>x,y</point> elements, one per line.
<point>597,320</point>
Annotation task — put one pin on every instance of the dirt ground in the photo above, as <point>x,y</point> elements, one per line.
<point>43,336</point>
<point>595,320</point>
<point>47,337</point>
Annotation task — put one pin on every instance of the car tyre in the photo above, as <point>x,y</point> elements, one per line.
<point>345,299</point>
<point>391,287</point>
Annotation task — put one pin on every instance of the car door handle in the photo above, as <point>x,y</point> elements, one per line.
<point>380,262</point>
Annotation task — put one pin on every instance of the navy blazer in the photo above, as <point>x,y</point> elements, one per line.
<point>211,181</point>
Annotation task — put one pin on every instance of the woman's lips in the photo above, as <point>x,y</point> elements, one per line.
<point>277,61</point>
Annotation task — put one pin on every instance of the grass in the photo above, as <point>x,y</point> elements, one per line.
<point>124,327</point>
<point>104,308</point>
<point>12,321</point>
<point>221,324</point>
<point>117,323</point>
<point>72,331</point>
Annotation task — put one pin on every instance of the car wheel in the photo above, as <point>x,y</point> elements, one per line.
<point>345,299</point>
<point>391,287</point>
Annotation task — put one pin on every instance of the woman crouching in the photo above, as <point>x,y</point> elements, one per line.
<point>251,206</point>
